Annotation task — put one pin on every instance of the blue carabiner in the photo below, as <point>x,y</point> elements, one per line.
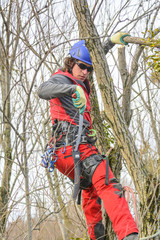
<point>55,158</point>
<point>51,164</point>
<point>51,167</point>
<point>64,149</point>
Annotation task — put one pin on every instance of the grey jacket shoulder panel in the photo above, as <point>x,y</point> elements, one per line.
<point>59,78</point>
<point>57,86</point>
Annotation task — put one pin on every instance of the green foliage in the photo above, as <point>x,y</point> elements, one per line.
<point>109,136</point>
<point>153,59</point>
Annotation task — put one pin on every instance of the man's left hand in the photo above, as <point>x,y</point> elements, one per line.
<point>118,38</point>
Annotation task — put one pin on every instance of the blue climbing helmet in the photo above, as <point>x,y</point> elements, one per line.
<point>80,52</point>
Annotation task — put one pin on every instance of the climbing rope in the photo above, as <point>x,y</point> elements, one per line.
<point>128,189</point>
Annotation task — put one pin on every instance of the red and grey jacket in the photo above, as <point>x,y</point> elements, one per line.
<point>58,90</point>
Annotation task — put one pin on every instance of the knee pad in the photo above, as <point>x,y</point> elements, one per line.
<point>117,186</point>
<point>88,166</point>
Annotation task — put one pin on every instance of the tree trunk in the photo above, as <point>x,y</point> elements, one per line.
<point>27,191</point>
<point>149,201</point>
<point>114,116</point>
<point>6,67</point>
<point>112,109</point>
<point>6,141</point>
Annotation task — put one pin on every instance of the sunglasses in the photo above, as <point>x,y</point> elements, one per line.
<point>83,67</point>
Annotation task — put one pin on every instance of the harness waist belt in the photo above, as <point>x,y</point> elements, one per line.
<point>67,133</point>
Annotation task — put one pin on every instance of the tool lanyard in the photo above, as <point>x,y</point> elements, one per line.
<point>76,157</point>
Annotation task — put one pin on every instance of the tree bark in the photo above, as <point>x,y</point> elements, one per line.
<point>142,41</point>
<point>6,144</point>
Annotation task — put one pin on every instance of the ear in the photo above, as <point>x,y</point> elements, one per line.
<point>72,63</point>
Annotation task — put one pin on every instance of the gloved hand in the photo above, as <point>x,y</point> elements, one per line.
<point>80,100</point>
<point>118,38</point>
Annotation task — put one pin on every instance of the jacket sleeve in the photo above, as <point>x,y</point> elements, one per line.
<point>56,86</point>
<point>107,45</point>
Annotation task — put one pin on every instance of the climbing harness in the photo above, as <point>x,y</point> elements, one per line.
<point>65,134</point>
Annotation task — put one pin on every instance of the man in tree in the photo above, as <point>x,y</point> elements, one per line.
<point>68,91</point>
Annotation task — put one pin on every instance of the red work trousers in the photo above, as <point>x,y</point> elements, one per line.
<point>115,206</point>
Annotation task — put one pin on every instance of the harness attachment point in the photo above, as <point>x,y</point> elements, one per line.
<point>93,132</point>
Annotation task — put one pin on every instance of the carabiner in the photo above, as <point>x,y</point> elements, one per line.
<point>64,149</point>
<point>51,164</point>
<point>51,167</point>
<point>92,134</point>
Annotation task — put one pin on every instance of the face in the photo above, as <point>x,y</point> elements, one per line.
<point>80,73</point>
